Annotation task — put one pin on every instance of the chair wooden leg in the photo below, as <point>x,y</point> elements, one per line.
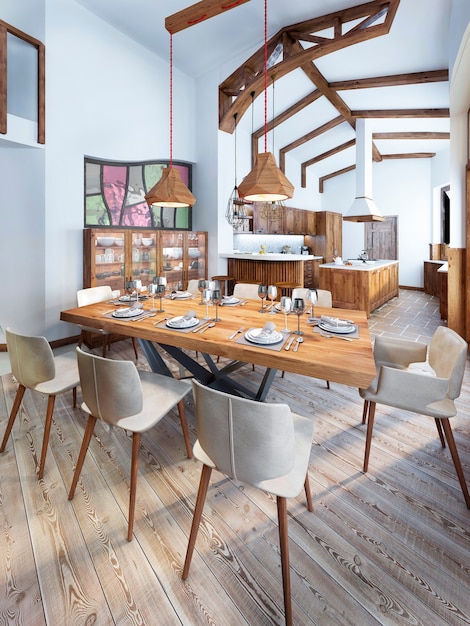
<point>365,411</point>
<point>14,411</point>
<point>90,427</point>
<point>327,384</point>
<point>456,459</point>
<point>133,485</point>
<point>80,339</point>
<point>105,343</point>
<point>184,428</point>
<point>134,344</point>
<point>370,427</point>
<point>74,397</point>
<point>47,430</point>
<point>285,567</point>
<point>308,493</point>
<point>282,375</point>
<point>201,498</point>
<point>439,430</point>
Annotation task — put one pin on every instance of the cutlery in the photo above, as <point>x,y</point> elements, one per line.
<point>163,319</point>
<point>299,341</point>
<point>145,316</point>
<point>336,337</point>
<point>206,327</point>
<point>199,328</point>
<point>108,312</point>
<point>289,343</point>
<point>243,302</point>
<point>240,330</point>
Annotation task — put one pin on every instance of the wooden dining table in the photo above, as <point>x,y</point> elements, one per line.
<point>333,359</point>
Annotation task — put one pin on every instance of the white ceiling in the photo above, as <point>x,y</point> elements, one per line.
<point>417,41</point>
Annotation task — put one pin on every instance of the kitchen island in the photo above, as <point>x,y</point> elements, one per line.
<point>362,285</point>
<point>271,268</point>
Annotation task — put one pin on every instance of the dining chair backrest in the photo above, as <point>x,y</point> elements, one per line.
<point>247,440</point>
<point>323,296</point>
<point>246,290</point>
<point>31,359</point>
<point>447,356</point>
<point>111,389</point>
<point>94,294</point>
<point>193,286</point>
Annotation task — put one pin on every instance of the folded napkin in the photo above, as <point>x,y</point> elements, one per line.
<point>334,321</point>
<point>184,320</point>
<point>267,329</point>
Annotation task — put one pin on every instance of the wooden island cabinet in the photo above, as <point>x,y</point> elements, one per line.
<point>364,287</point>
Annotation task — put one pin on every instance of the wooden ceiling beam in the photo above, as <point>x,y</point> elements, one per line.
<point>395,80</point>
<point>323,179</point>
<point>324,155</point>
<point>391,113</point>
<point>410,155</point>
<point>199,12</point>
<point>411,135</point>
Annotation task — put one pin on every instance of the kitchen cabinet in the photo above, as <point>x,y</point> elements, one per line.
<point>327,240</point>
<point>311,273</point>
<point>113,256</point>
<point>289,221</point>
<point>431,277</point>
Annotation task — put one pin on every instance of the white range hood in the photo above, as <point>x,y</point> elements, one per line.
<point>363,209</point>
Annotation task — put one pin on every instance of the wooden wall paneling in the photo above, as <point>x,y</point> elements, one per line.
<point>456,296</point>
<point>466,295</point>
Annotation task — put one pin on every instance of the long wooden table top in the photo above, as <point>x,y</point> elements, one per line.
<point>347,362</point>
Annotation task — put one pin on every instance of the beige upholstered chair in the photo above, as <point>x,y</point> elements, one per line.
<point>414,378</point>
<point>323,296</point>
<point>117,393</point>
<point>90,296</point>
<point>34,366</point>
<point>193,287</point>
<point>246,290</point>
<point>264,445</point>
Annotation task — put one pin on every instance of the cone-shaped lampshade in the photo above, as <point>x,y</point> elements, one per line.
<point>266,182</point>
<point>170,191</point>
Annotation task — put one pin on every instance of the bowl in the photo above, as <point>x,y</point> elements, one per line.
<point>194,253</point>
<point>147,241</point>
<point>119,242</point>
<point>137,242</point>
<point>104,241</point>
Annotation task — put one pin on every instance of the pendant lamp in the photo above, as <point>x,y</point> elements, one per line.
<point>266,182</point>
<point>235,213</point>
<point>170,190</point>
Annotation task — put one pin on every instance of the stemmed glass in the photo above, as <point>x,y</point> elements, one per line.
<point>138,289</point>
<point>130,288</point>
<point>160,293</point>
<point>152,291</point>
<point>216,299</point>
<point>207,296</point>
<point>298,307</point>
<point>272,293</point>
<point>286,306</point>
<point>201,285</point>
<point>312,297</point>
<point>262,293</point>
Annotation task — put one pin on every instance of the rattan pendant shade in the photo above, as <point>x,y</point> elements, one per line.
<point>266,182</point>
<point>170,191</point>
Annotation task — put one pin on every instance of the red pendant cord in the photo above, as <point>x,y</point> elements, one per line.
<point>171,99</point>
<point>265,75</point>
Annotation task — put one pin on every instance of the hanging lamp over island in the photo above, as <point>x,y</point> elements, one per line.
<point>170,190</point>
<point>266,182</point>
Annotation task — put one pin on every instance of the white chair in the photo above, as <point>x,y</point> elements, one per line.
<point>247,291</point>
<point>424,380</point>
<point>323,296</point>
<point>261,444</point>
<point>91,295</point>
<point>117,393</point>
<point>193,287</point>
<point>34,367</point>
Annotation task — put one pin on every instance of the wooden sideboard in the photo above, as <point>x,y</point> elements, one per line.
<point>272,269</point>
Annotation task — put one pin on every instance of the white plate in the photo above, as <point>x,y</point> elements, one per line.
<point>256,335</point>
<point>128,312</point>
<point>182,295</point>
<point>230,300</point>
<point>341,330</point>
<point>180,322</point>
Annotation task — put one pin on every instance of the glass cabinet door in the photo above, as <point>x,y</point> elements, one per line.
<point>196,251</point>
<point>106,258</point>
<point>171,265</point>
<point>143,257</point>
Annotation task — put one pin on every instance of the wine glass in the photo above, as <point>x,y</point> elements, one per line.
<point>160,293</point>
<point>201,285</point>
<point>130,289</point>
<point>312,296</point>
<point>262,293</point>
<point>272,293</point>
<point>138,288</point>
<point>216,299</point>
<point>298,306</point>
<point>286,306</point>
<point>207,296</point>
<point>152,291</point>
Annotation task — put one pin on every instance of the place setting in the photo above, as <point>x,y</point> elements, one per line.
<point>264,337</point>
<point>329,327</point>
<point>184,323</point>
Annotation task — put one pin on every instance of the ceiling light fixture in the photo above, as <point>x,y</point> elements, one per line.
<point>170,190</point>
<point>235,213</point>
<point>266,182</point>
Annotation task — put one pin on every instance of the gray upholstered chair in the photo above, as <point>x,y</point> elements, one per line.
<point>424,380</point>
<point>90,295</point>
<point>119,394</point>
<point>261,444</point>
<point>35,367</point>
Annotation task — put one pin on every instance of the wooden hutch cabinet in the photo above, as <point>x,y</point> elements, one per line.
<point>327,240</point>
<point>112,256</point>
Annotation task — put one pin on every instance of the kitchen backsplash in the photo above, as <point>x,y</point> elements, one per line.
<point>273,243</point>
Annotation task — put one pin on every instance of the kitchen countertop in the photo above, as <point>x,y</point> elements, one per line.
<point>359,265</point>
<point>269,256</point>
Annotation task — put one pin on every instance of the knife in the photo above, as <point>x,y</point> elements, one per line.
<point>289,343</point>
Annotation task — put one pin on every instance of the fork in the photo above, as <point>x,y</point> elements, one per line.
<point>336,337</point>
<point>240,330</point>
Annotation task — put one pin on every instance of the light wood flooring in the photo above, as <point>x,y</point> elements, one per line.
<point>388,547</point>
